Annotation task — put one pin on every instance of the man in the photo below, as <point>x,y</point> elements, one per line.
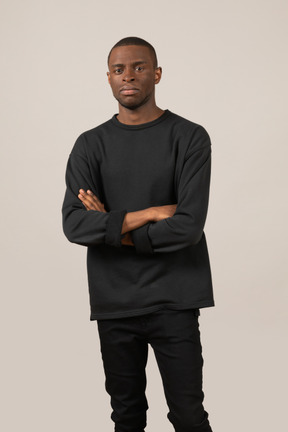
<point>137,197</point>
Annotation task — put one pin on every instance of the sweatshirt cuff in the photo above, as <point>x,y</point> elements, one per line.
<point>114,227</point>
<point>141,240</point>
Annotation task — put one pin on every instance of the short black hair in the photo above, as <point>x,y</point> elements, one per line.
<point>133,40</point>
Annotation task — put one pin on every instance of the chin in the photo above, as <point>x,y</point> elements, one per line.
<point>132,105</point>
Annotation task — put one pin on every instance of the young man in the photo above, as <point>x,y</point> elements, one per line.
<point>137,196</point>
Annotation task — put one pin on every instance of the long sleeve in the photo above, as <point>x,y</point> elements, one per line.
<point>185,227</point>
<point>80,226</point>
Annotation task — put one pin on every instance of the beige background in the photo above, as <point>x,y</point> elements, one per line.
<point>225,67</point>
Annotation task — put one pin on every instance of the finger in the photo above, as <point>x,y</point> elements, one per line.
<point>100,205</point>
<point>86,200</point>
<point>93,200</point>
<point>85,207</point>
<point>88,197</point>
<point>93,196</point>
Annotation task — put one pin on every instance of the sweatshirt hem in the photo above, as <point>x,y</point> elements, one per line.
<point>136,312</point>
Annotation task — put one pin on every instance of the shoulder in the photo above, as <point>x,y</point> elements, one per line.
<point>96,132</point>
<point>186,124</point>
<point>88,139</point>
<point>194,134</point>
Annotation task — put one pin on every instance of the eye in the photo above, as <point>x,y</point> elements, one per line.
<point>117,70</point>
<point>139,68</point>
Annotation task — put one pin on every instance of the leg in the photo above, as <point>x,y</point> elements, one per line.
<point>178,351</point>
<point>124,355</point>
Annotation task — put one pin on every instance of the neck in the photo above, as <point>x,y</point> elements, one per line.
<point>143,114</point>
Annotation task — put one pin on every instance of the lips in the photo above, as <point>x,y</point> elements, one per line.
<point>128,90</point>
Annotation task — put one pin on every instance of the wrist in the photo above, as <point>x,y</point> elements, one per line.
<point>151,214</point>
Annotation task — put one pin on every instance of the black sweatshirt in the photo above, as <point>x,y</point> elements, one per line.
<point>130,168</point>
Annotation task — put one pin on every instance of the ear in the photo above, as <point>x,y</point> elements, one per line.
<point>158,74</point>
<point>108,75</point>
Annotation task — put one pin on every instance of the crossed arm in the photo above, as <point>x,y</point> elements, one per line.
<point>175,228</point>
<point>132,220</point>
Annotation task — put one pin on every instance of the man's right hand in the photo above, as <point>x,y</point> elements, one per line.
<point>163,212</point>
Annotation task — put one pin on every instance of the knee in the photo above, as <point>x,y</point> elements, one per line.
<point>187,422</point>
<point>135,422</point>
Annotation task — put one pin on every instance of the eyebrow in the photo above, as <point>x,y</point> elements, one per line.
<point>134,64</point>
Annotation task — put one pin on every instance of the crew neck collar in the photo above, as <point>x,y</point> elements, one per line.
<point>162,117</point>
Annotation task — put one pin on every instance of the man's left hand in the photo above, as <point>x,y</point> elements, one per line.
<point>90,201</point>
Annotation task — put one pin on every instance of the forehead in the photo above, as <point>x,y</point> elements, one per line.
<point>130,54</point>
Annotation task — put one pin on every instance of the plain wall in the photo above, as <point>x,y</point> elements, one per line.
<point>225,67</point>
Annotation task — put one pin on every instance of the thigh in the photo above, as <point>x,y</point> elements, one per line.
<point>178,351</point>
<point>124,354</point>
<point>124,351</point>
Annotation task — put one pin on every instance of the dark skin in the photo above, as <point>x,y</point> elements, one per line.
<point>133,67</point>
<point>91,202</point>
<point>132,76</point>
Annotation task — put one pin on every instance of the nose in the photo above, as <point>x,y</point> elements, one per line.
<point>128,76</point>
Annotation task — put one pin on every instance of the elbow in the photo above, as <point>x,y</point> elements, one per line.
<point>73,238</point>
<point>81,231</point>
<point>69,238</point>
<point>195,234</point>
<point>195,239</point>
<point>188,233</point>
<point>197,228</point>
<point>68,224</point>
<point>70,231</point>
<point>69,234</point>
<point>193,230</point>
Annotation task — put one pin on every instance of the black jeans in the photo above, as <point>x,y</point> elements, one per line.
<point>175,339</point>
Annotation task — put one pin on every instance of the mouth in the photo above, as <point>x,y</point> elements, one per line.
<point>128,90</point>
